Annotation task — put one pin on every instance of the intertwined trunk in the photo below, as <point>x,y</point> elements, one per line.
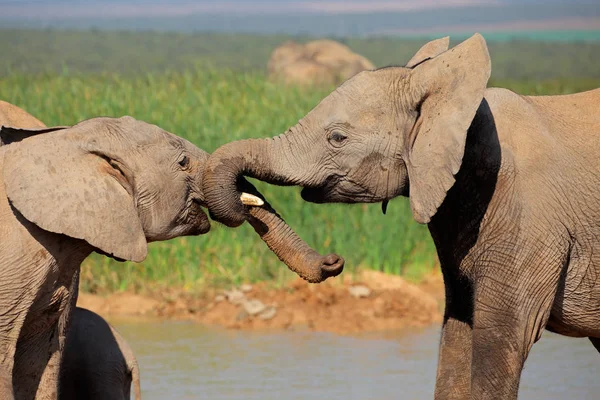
<point>256,158</point>
<point>224,183</point>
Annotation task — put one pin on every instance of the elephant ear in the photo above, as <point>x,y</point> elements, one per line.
<point>449,90</point>
<point>429,50</point>
<point>66,183</point>
<point>10,135</point>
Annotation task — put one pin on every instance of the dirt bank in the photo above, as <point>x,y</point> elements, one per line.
<point>373,302</point>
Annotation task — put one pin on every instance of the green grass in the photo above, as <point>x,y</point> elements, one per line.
<point>210,108</point>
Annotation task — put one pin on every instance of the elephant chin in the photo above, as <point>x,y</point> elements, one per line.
<point>203,225</point>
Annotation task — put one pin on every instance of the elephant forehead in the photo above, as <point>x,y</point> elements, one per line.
<point>120,128</point>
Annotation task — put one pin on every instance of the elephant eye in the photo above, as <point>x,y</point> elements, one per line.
<point>337,138</point>
<point>184,162</point>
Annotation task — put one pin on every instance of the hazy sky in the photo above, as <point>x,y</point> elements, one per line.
<point>134,8</point>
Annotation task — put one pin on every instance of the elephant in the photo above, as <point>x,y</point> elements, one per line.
<point>318,62</point>
<point>97,362</point>
<point>507,185</point>
<point>109,185</point>
<point>105,185</point>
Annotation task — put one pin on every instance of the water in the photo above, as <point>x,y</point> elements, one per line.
<point>182,360</point>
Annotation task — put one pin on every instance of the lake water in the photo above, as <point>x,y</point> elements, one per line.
<point>184,360</point>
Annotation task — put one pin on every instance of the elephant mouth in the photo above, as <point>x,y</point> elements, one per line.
<point>313,195</point>
<point>337,190</point>
<point>324,193</point>
<point>201,223</point>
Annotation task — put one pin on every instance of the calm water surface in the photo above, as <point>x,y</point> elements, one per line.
<point>182,360</point>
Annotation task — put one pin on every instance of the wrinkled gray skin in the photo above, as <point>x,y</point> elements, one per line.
<point>106,185</point>
<point>507,184</point>
<point>97,362</point>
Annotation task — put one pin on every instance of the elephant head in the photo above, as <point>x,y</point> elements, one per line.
<point>120,183</point>
<point>115,183</point>
<point>383,133</point>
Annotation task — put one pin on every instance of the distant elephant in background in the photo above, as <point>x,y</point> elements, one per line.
<point>109,185</point>
<point>11,115</point>
<point>97,363</point>
<point>508,185</point>
<point>318,62</point>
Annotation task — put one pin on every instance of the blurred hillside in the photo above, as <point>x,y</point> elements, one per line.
<point>132,53</point>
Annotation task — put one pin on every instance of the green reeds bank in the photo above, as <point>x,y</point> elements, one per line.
<point>211,106</point>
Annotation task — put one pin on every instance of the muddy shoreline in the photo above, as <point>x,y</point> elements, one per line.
<point>372,302</point>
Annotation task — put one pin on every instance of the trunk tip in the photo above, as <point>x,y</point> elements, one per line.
<point>329,266</point>
<point>332,265</point>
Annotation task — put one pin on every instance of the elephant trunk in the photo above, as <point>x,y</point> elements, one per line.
<point>291,249</point>
<point>223,181</point>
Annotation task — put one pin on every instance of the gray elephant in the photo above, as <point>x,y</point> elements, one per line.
<point>97,362</point>
<point>106,185</point>
<point>109,185</point>
<point>508,186</point>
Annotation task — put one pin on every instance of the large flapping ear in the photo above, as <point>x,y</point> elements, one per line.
<point>10,134</point>
<point>429,50</point>
<point>66,183</point>
<point>449,89</point>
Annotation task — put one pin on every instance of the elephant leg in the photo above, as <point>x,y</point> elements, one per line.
<point>596,343</point>
<point>453,379</point>
<point>8,347</point>
<point>508,320</point>
<point>454,366</point>
<point>38,356</point>
<point>49,384</point>
<point>31,359</point>
<point>6,386</point>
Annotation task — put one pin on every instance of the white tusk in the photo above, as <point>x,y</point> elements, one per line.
<point>251,200</point>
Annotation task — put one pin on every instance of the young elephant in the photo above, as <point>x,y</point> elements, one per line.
<point>508,186</point>
<point>108,185</point>
<point>97,362</point>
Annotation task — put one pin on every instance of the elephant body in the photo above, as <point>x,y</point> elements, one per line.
<point>516,238</point>
<point>508,186</point>
<point>98,363</point>
<point>42,269</point>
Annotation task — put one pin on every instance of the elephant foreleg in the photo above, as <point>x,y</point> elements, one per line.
<point>453,379</point>
<point>454,367</point>
<point>49,384</point>
<point>6,386</point>
<point>506,324</point>
<point>8,345</point>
